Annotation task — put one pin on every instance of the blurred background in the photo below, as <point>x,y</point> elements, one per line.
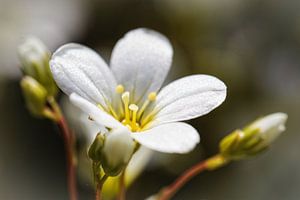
<point>252,45</point>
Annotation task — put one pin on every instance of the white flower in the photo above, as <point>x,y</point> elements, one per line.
<point>86,131</point>
<point>127,93</point>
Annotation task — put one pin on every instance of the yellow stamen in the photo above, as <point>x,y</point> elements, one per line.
<point>134,108</point>
<point>148,118</point>
<point>112,111</point>
<point>130,114</point>
<point>120,89</point>
<point>152,96</point>
<point>125,99</point>
<point>99,106</point>
<point>146,103</point>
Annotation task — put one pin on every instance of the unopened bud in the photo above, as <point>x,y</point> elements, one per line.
<point>254,138</point>
<point>35,95</point>
<point>95,149</point>
<point>35,57</point>
<point>117,151</point>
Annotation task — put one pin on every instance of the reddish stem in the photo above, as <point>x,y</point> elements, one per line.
<point>99,187</point>
<point>69,145</point>
<point>122,187</point>
<point>68,138</point>
<point>98,191</point>
<point>170,190</point>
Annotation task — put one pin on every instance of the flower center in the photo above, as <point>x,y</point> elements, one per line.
<point>131,115</point>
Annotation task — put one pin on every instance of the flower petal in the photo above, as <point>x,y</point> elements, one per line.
<point>137,164</point>
<point>99,116</point>
<point>81,70</point>
<point>188,98</point>
<point>90,128</point>
<point>169,138</point>
<point>140,61</point>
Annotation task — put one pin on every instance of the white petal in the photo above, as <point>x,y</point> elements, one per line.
<point>81,70</point>
<point>169,138</point>
<point>188,98</point>
<point>140,61</point>
<point>99,116</point>
<point>137,164</point>
<point>90,128</point>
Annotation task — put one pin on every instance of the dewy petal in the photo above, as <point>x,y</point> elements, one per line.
<point>140,61</point>
<point>81,70</point>
<point>100,117</point>
<point>188,98</point>
<point>169,138</point>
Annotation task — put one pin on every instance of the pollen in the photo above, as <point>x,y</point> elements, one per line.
<point>131,113</point>
<point>120,89</point>
<point>152,96</point>
<point>133,107</point>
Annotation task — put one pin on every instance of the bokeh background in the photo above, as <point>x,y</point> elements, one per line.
<point>252,45</point>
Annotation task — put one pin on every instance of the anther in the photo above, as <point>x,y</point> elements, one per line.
<point>152,96</point>
<point>133,107</point>
<point>120,89</point>
<point>125,97</point>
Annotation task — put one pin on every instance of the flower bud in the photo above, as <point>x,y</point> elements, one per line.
<point>95,149</point>
<point>254,138</point>
<point>117,151</point>
<point>35,57</point>
<point>35,95</point>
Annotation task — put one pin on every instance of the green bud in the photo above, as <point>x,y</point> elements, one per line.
<point>254,138</point>
<point>95,149</point>
<point>35,58</point>
<point>35,95</point>
<point>117,151</point>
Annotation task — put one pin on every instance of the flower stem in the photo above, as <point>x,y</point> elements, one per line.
<point>68,138</point>
<point>122,187</point>
<point>99,187</point>
<point>209,164</point>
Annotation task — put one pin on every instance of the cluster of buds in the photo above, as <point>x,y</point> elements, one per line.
<point>112,151</point>
<point>37,84</point>
<point>254,138</point>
